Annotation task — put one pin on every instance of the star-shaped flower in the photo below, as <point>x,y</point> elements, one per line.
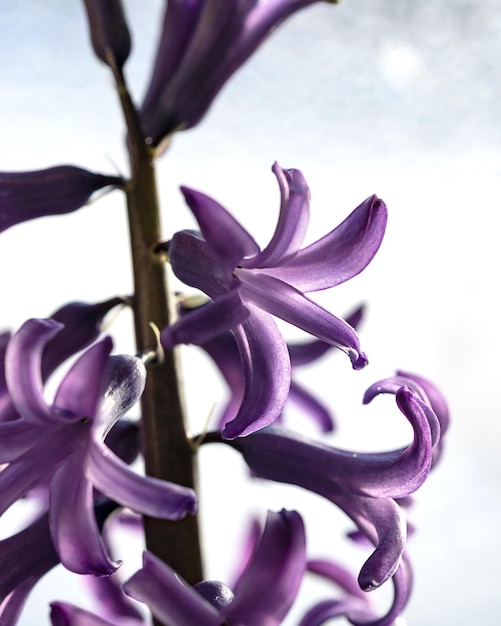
<point>60,444</point>
<point>249,285</point>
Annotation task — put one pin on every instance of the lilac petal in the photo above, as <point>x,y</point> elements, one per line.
<point>195,265</point>
<point>23,370</point>
<point>206,322</point>
<point>82,325</point>
<point>338,575</point>
<point>124,440</point>
<point>80,391</point>
<point>73,525</point>
<point>228,241</point>
<point>402,584</point>
<point>65,614</point>
<point>286,302</point>
<point>320,414</point>
<point>435,397</point>
<point>11,609</point>
<point>266,366</point>
<point>16,437</point>
<point>179,23</point>
<point>143,494</point>
<point>54,191</point>
<point>340,255</point>
<point>170,599</point>
<point>108,30</point>
<point>292,222</point>
<point>382,474</point>
<point>329,609</point>
<point>26,555</point>
<point>35,466</point>
<point>124,381</point>
<point>305,353</point>
<point>269,584</point>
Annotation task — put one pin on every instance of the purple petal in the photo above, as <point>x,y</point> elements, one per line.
<point>54,191</point>
<point>340,255</point>
<point>338,575</point>
<point>82,325</point>
<point>292,222</point>
<point>206,322</point>
<point>269,584</point>
<point>228,241</point>
<point>23,370</point>
<point>286,302</point>
<point>314,409</point>
<point>65,614</point>
<point>108,30</point>
<point>266,366</point>
<point>26,555</point>
<point>329,609</point>
<point>12,607</point>
<point>170,599</point>
<point>35,466</point>
<point>80,391</point>
<point>73,524</point>
<point>180,19</point>
<point>143,494</point>
<point>16,437</point>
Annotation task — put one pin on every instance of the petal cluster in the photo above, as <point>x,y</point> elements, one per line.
<point>249,286</point>
<point>60,444</point>
<point>202,44</point>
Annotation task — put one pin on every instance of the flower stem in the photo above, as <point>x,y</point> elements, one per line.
<point>167,451</point>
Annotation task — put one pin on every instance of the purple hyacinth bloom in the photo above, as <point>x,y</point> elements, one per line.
<point>249,285</point>
<point>262,596</point>
<point>108,30</point>
<point>53,191</point>
<point>60,445</point>
<point>202,44</point>
<point>363,485</point>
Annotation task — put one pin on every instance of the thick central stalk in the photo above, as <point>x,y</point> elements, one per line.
<point>168,454</point>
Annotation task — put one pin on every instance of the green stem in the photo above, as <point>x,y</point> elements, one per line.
<point>167,451</point>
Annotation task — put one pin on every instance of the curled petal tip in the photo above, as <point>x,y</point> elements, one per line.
<point>359,360</point>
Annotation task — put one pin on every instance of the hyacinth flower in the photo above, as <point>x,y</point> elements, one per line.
<point>202,44</point>
<point>29,555</point>
<point>249,286</point>
<point>61,444</point>
<point>363,485</point>
<point>109,32</point>
<point>223,350</point>
<point>54,191</point>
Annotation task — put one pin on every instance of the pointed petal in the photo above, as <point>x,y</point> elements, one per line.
<point>292,222</point>
<point>23,370</point>
<point>206,322</point>
<point>54,191</point>
<point>270,582</point>
<point>228,241</point>
<point>266,366</point>
<point>65,614</point>
<point>143,494</point>
<point>170,599</point>
<point>80,390</point>
<point>340,255</point>
<point>179,22</point>
<point>82,325</point>
<point>108,30</point>
<point>286,302</point>
<point>73,525</point>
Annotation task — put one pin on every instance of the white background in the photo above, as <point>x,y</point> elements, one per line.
<point>371,96</point>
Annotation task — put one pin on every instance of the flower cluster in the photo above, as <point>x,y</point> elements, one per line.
<point>71,454</point>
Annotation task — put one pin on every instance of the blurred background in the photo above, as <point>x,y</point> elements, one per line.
<point>400,99</point>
